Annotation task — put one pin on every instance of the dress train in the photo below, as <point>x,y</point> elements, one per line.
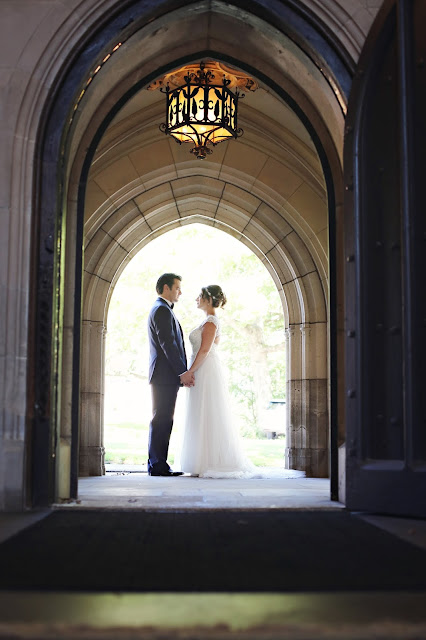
<point>212,446</point>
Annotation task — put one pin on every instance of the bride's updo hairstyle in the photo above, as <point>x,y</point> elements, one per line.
<point>214,294</point>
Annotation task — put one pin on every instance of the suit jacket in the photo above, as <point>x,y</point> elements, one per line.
<point>167,357</point>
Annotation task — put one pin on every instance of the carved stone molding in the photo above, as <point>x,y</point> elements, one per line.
<point>237,79</point>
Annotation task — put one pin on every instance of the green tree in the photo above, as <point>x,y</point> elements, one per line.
<point>252,345</point>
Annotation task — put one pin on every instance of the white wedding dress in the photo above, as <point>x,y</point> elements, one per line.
<point>211,444</point>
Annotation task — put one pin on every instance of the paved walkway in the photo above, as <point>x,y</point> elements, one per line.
<point>120,489</point>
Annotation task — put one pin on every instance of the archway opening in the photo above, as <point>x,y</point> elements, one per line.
<point>267,191</point>
<point>252,345</point>
<point>289,181</point>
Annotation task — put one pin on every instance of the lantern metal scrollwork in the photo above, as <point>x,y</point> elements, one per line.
<point>201,112</point>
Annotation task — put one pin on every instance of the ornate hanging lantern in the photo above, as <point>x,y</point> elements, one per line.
<point>201,112</point>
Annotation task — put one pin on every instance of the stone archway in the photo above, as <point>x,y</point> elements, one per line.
<point>317,107</point>
<point>115,232</point>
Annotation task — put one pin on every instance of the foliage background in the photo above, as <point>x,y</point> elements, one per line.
<point>252,344</point>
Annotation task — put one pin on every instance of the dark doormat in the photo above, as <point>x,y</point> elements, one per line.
<point>208,551</point>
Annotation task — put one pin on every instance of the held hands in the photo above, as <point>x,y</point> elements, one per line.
<point>187,379</point>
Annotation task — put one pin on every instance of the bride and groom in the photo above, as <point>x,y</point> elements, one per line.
<point>211,445</point>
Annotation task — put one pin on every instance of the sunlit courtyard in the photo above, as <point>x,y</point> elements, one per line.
<point>252,345</point>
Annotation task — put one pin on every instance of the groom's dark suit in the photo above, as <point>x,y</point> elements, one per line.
<point>167,361</point>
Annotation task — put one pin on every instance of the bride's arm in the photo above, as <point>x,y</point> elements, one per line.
<point>207,339</point>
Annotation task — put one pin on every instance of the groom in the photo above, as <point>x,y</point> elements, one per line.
<point>167,371</point>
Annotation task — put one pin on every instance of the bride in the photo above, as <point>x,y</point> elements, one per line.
<point>211,445</point>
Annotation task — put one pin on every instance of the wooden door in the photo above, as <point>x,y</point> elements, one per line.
<point>385,227</point>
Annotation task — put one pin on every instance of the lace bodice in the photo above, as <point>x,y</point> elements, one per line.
<point>195,336</point>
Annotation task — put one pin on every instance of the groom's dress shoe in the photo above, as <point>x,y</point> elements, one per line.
<point>168,474</point>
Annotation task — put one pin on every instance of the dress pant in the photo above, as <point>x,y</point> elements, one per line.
<point>163,408</point>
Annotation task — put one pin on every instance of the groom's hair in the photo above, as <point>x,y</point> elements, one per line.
<point>168,279</point>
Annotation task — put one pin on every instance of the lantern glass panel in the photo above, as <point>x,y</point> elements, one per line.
<point>202,114</point>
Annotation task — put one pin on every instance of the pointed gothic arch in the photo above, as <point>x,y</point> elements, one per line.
<point>79,142</point>
<point>305,313</point>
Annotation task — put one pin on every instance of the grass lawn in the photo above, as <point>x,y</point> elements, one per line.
<point>126,443</point>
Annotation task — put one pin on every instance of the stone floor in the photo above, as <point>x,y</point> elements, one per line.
<point>134,489</point>
<point>124,489</point>
<point>121,489</point>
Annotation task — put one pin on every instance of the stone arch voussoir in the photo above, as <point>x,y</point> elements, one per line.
<point>123,226</point>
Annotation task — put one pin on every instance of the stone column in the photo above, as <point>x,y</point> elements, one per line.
<point>14,412</point>
<point>12,463</point>
<point>307,408</point>
<point>92,450</point>
<point>296,430</point>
